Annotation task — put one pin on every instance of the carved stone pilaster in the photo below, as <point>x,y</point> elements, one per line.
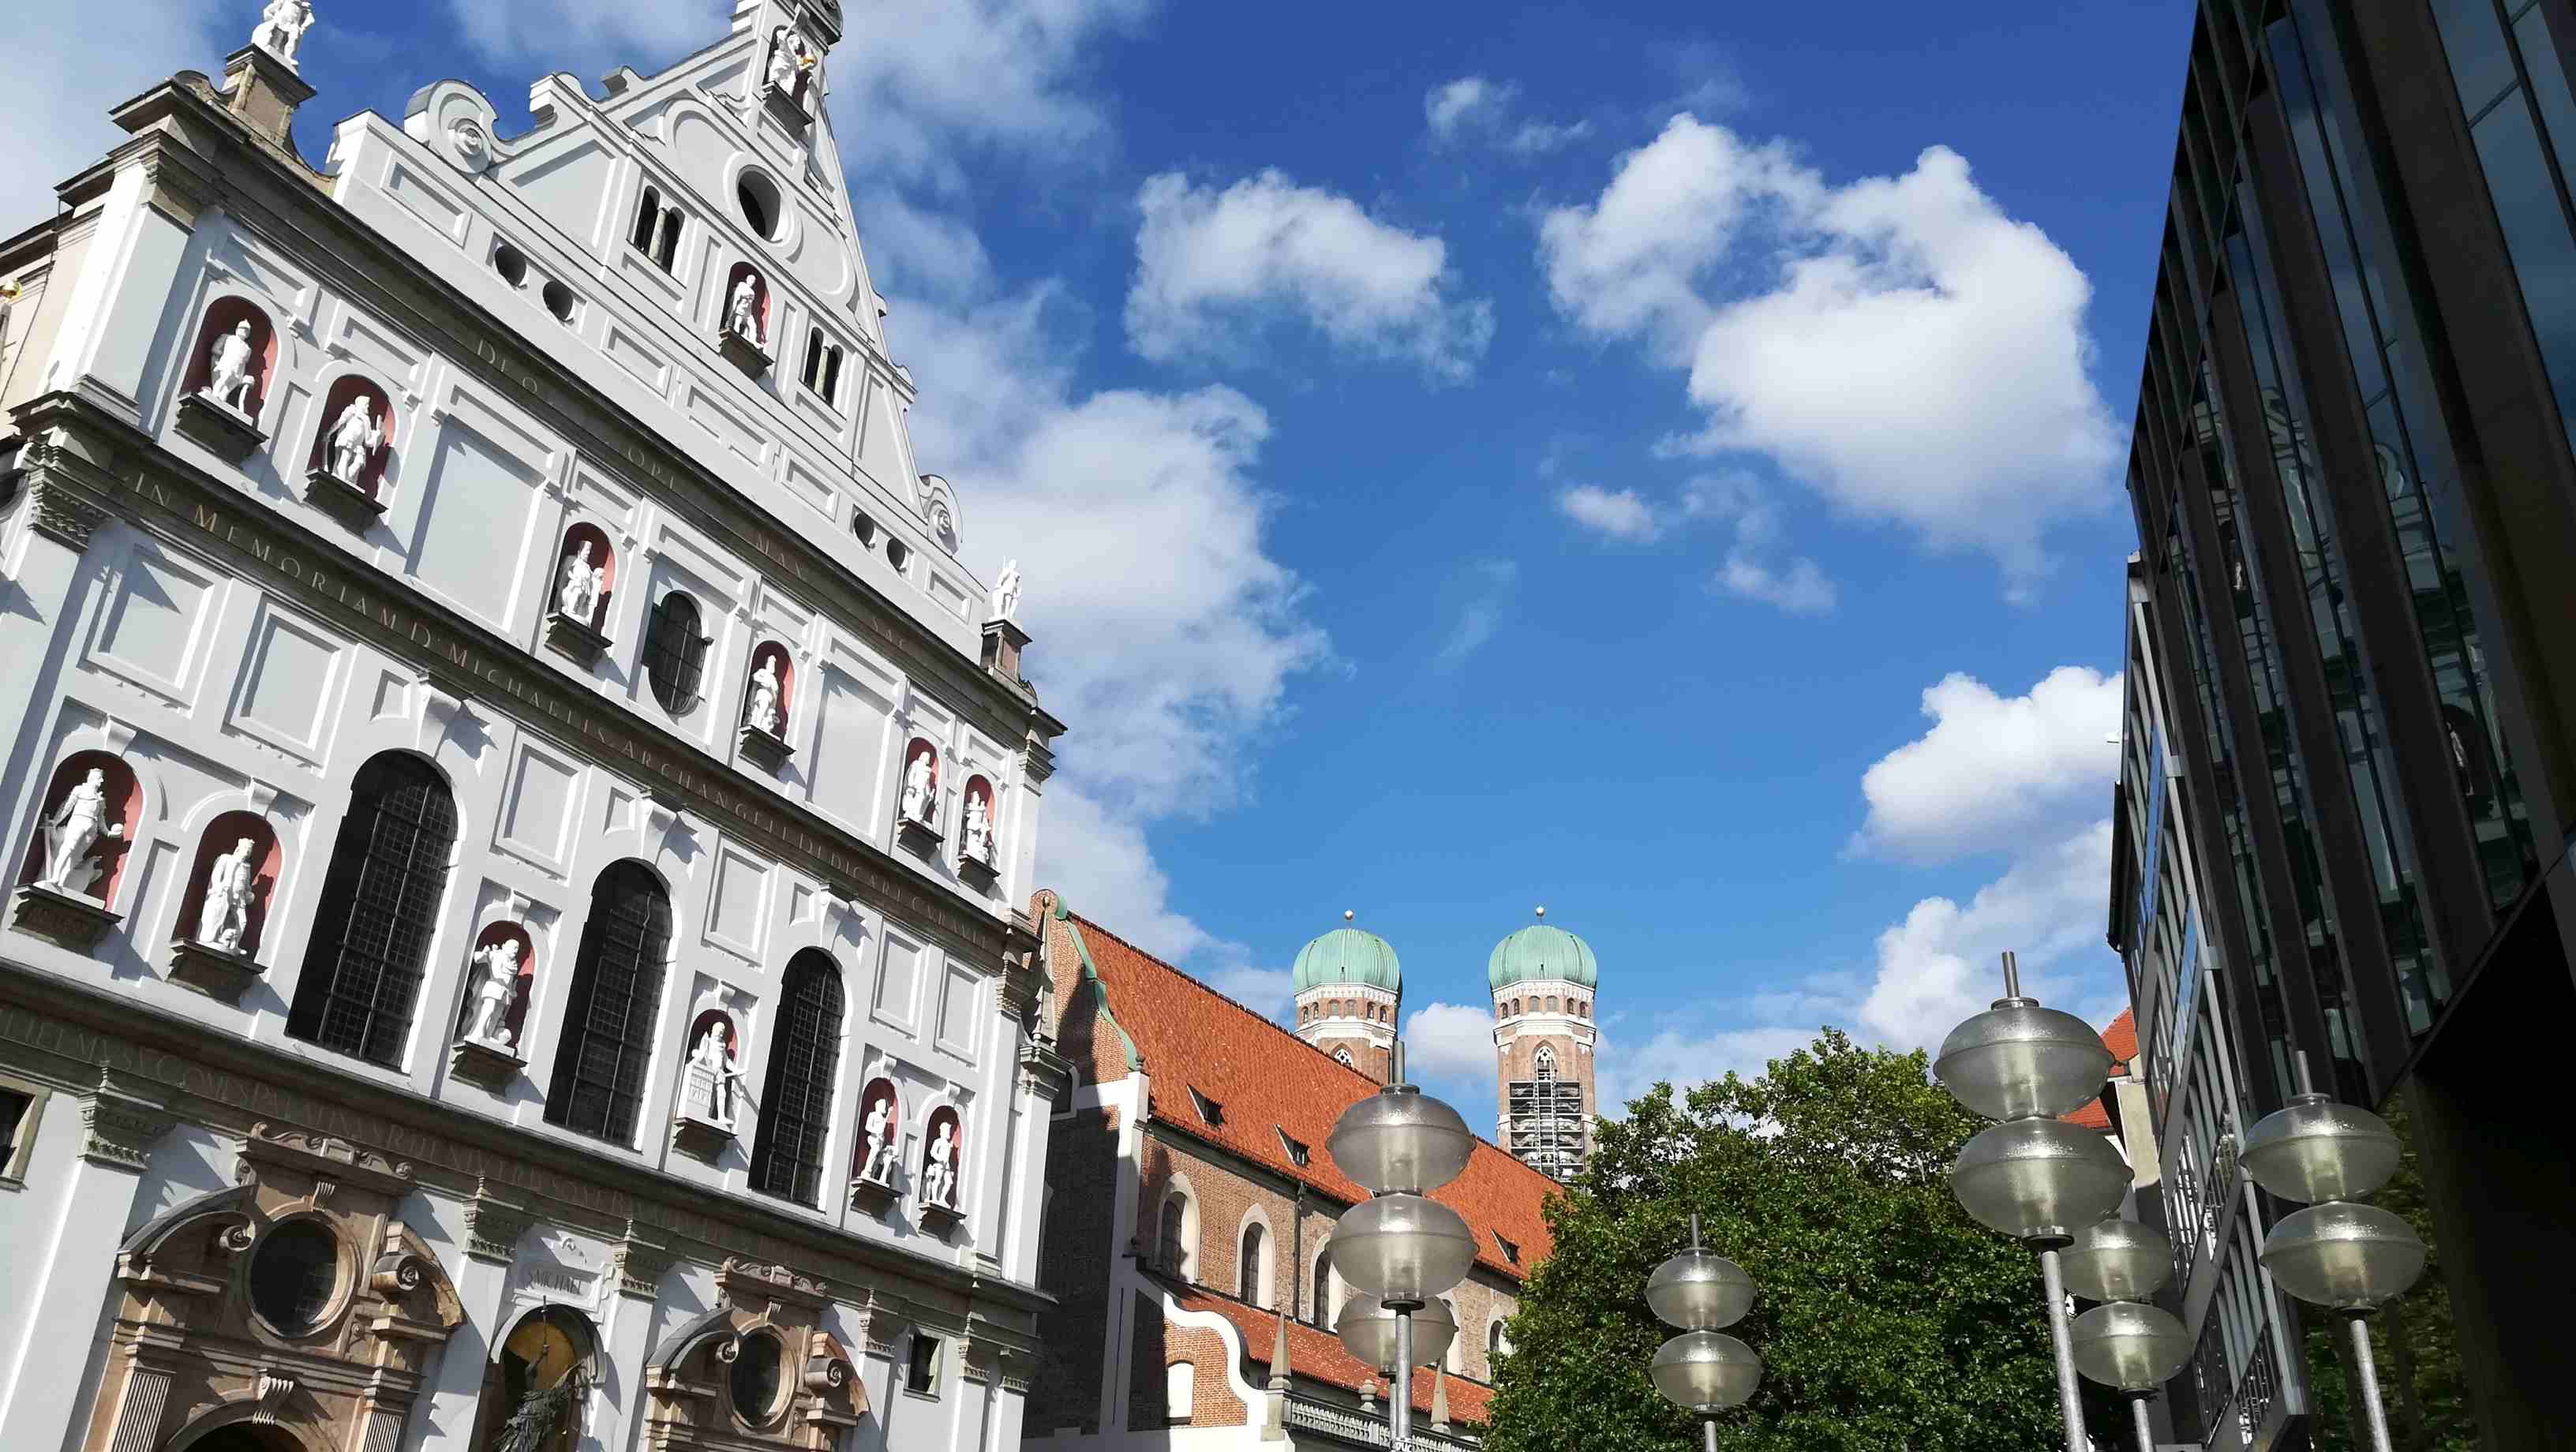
<point>638,1263</point>
<point>64,515</point>
<point>1037,762</point>
<point>118,1126</point>
<point>140,1409</point>
<point>1043,1071</point>
<point>493,1226</point>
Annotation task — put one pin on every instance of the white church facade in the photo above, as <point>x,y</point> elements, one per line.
<point>516,803</point>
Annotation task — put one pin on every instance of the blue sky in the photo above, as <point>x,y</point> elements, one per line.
<point>1469,459</point>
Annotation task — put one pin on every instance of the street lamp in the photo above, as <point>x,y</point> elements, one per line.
<point>2033,1176</point>
<point>1399,1245</point>
<point>2124,1343</point>
<point>2346,1257</point>
<point>1703,1370</point>
<point>1367,1329</point>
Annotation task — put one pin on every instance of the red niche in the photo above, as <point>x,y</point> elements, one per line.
<point>223,315</point>
<point>516,1017</point>
<point>880,1119</point>
<point>776,655</point>
<point>380,408</point>
<point>221,837</point>
<point>698,1030</point>
<point>603,557</point>
<point>123,815</point>
<point>759,300</point>
<point>946,1116</point>
<point>915,751</point>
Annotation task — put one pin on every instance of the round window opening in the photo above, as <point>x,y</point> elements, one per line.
<point>511,264</point>
<point>899,553</point>
<point>755,1379</point>
<point>294,1275</point>
<point>559,301</point>
<point>761,205</point>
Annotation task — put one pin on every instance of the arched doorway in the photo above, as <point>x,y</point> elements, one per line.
<point>243,1439</point>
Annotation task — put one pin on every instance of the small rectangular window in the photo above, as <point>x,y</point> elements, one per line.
<point>1511,1251</point>
<point>1296,1148</point>
<point>1209,1110</point>
<point>921,1372</point>
<point>17,1133</point>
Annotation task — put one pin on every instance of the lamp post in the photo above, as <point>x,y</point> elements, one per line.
<point>1399,1245</point>
<point>2349,1258</point>
<point>1703,1370</point>
<point>2033,1176</point>
<point>2124,1343</point>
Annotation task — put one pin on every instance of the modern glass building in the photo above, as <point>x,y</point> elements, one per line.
<point>2356,499</point>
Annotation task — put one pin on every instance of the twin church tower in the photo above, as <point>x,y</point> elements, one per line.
<point>1350,988</point>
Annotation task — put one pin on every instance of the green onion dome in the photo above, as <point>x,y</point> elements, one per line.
<point>1348,955</point>
<point>1540,951</point>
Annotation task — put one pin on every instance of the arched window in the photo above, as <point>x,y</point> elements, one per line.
<point>1247,1264</point>
<point>607,1040</point>
<point>814,359</point>
<point>1180,1390</point>
<point>1496,1343</point>
<point>831,389</point>
<point>551,1355</point>
<point>675,654</point>
<point>666,249</point>
<point>648,220</point>
<point>1543,1063</point>
<point>378,908</point>
<point>1345,1056</point>
<point>1319,1303</point>
<point>796,1104</point>
<point>1172,1249</point>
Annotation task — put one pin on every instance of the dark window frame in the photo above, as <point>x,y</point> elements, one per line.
<point>605,1050</point>
<point>804,1068</point>
<point>378,912</point>
<point>675,654</point>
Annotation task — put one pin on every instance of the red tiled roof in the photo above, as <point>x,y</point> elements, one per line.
<point>1193,1037</point>
<point>1318,1354</point>
<point>2121,1038</point>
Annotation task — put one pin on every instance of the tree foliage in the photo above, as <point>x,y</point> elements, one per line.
<point>1886,1318</point>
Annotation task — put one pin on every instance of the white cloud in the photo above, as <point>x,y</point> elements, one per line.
<point>587,37</point>
<point>1473,107</point>
<point>1995,772</point>
<point>1449,1049</point>
<point>1621,514</point>
<point>1686,1059</point>
<point>62,69</point>
<point>1938,965</point>
<point>1489,587</point>
<point>1213,267</point>
<point>1800,587</point>
<point>1267,991</point>
<point>1897,344</point>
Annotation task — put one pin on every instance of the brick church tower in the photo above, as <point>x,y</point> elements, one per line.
<point>1544,1032</point>
<point>1349,990</point>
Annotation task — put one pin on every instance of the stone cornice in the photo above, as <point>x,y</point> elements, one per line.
<point>155,1067</point>
<point>410,294</point>
<point>83,458</point>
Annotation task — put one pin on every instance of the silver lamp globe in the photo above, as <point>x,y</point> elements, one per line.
<point>1367,1329</point>
<point>1699,1290</point>
<point>2038,1179</point>
<point>1403,1248</point>
<point>2315,1148</point>
<point>2132,1347</point>
<point>1401,1139</point>
<point>1705,1371</point>
<point>2344,1256</point>
<point>2118,1260</point>
<point>2018,1060</point>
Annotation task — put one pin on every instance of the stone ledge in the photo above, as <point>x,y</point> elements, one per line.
<point>764,748</point>
<point>786,110</point>
<point>572,638</point>
<point>218,973</point>
<point>921,837</point>
<point>488,1065</point>
<point>977,871</point>
<point>219,427</point>
<point>871,1196</point>
<point>700,1139</point>
<point>742,353</point>
<point>342,500</point>
<point>61,917</point>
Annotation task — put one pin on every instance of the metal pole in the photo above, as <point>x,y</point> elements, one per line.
<point>2366,1368</point>
<point>2146,1429</point>
<point>1400,1414</point>
<point>2070,1398</point>
<point>1708,1433</point>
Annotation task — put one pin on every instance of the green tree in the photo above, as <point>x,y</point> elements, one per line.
<point>1886,1320</point>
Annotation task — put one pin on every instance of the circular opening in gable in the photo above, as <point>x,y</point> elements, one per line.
<point>294,1276</point>
<point>559,301</point>
<point>865,528</point>
<point>511,263</point>
<point>756,1379</point>
<point>762,206</point>
<point>898,553</point>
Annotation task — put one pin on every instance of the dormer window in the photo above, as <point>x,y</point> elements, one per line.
<point>1296,1148</point>
<point>657,230</point>
<point>823,367</point>
<point>1209,1109</point>
<point>1511,1249</point>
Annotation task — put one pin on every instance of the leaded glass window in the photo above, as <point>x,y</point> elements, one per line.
<point>796,1106</point>
<point>378,909</point>
<point>675,654</point>
<point>607,1038</point>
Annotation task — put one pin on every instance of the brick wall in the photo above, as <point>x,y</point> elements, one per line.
<point>1159,1346</point>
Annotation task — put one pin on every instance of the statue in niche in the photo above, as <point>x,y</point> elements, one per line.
<point>712,1076</point>
<point>760,712</point>
<point>920,788</point>
<point>228,375</point>
<point>355,437</point>
<point>789,59</point>
<point>281,28</point>
<point>577,599</point>
<point>74,832</point>
<point>880,1131</point>
<point>496,983</point>
<point>742,315</point>
<point>978,830</point>
<point>224,916</point>
<point>1006,592</point>
<point>939,1172</point>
